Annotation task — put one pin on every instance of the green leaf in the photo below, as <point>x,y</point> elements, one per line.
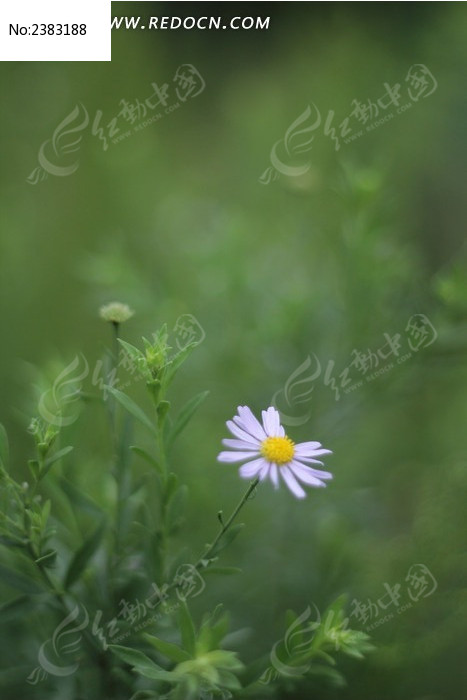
<point>188,689</point>
<point>34,466</point>
<point>13,541</point>
<point>178,360</point>
<point>163,407</point>
<point>47,559</point>
<point>145,695</point>
<point>19,581</point>
<point>131,351</point>
<point>15,607</point>
<point>81,558</point>
<point>147,457</point>
<point>133,408</point>
<point>224,659</point>
<point>228,680</point>
<point>213,631</point>
<point>171,487</point>
<point>45,513</point>
<point>227,538</point>
<point>172,651</point>
<point>142,663</point>
<point>177,506</point>
<point>78,498</point>
<point>4,448</point>
<point>54,458</point>
<point>186,414</point>
<point>187,628</point>
<point>219,630</point>
<point>330,619</point>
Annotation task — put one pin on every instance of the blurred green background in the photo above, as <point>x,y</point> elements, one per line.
<point>173,220</point>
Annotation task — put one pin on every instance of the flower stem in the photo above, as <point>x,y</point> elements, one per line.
<point>200,563</point>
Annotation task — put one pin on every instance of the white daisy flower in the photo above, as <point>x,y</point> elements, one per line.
<point>268,452</point>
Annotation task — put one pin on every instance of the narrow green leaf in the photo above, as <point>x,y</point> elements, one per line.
<point>177,505</point>
<point>81,558</point>
<point>188,689</point>
<point>45,513</point>
<point>19,581</point>
<point>33,465</point>
<point>4,448</point>
<point>78,498</point>
<point>229,680</point>
<point>187,628</point>
<point>186,414</point>
<point>219,630</point>
<point>171,487</point>
<point>225,659</point>
<point>142,663</point>
<point>13,541</point>
<point>15,607</point>
<point>163,407</point>
<point>178,360</point>
<point>172,651</point>
<point>56,456</point>
<point>48,559</point>
<point>227,538</point>
<point>131,351</point>
<point>147,457</point>
<point>133,408</point>
<point>145,695</point>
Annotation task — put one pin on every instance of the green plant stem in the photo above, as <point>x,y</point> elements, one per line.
<point>111,402</point>
<point>161,448</point>
<point>163,544</point>
<point>199,564</point>
<point>116,327</point>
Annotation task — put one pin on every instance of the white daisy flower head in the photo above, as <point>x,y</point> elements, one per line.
<point>269,453</point>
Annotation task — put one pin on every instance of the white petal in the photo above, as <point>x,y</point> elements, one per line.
<point>264,471</point>
<point>248,422</point>
<point>239,444</point>
<point>234,456</point>
<point>309,460</point>
<point>318,453</point>
<point>316,472</point>
<point>272,422</point>
<point>306,448</point>
<point>241,434</point>
<point>305,474</point>
<point>248,471</point>
<point>292,483</point>
<point>274,476</point>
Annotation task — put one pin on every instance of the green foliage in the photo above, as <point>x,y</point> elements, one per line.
<point>81,558</point>
<point>128,547</point>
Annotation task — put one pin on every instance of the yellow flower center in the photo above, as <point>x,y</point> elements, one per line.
<point>279,450</point>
